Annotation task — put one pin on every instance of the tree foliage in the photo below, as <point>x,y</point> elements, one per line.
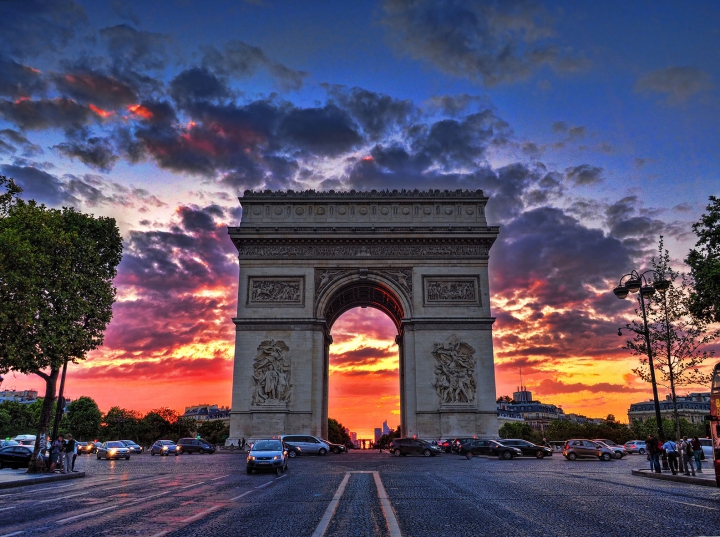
<point>704,263</point>
<point>518,430</point>
<point>214,431</point>
<point>83,419</point>
<point>387,438</point>
<point>336,432</point>
<point>16,418</point>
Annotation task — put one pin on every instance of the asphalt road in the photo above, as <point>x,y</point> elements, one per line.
<point>360,494</point>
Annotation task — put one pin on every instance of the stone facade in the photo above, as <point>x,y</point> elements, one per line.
<point>308,257</point>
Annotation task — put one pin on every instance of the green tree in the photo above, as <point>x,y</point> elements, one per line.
<point>678,339</point>
<point>16,419</point>
<point>120,424</point>
<point>56,292</point>
<point>214,431</point>
<point>518,429</point>
<point>387,438</point>
<point>704,263</point>
<point>337,433</point>
<point>83,419</point>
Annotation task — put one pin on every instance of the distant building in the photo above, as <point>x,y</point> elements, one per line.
<point>378,433</point>
<point>523,408</point>
<point>207,413</point>
<point>385,428</point>
<point>25,397</point>
<point>353,438</point>
<point>692,407</point>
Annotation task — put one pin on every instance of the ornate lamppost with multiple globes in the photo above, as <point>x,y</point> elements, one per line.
<point>638,282</point>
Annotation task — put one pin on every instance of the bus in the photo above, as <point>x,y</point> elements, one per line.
<point>714,419</point>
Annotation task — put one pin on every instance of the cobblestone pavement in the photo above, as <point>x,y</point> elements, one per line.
<point>342,495</point>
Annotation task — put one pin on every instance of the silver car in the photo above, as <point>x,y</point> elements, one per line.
<point>636,446</point>
<point>113,450</point>
<point>308,444</point>
<point>267,455</point>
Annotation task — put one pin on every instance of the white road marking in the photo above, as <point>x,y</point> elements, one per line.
<point>216,478</point>
<point>11,534</point>
<point>7,508</point>
<point>191,485</point>
<point>83,515</point>
<point>264,485</point>
<point>387,507</point>
<point>693,505</point>
<point>201,514</point>
<point>331,508</point>
<point>238,497</point>
<point>62,497</point>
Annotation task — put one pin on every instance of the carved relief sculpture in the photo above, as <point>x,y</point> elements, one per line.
<point>451,290</point>
<point>454,371</point>
<point>275,290</point>
<point>271,374</point>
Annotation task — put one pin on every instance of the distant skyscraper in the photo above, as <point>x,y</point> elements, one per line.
<point>386,429</point>
<point>353,437</point>
<point>378,433</point>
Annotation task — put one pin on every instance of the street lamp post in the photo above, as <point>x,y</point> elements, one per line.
<point>639,282</point>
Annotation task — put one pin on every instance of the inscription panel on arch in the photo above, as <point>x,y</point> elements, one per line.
<point>268,291</point>
<point>451,290</point>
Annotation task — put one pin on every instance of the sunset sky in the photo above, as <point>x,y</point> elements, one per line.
<point>592,126</point>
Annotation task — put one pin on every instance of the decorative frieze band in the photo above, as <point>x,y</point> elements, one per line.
<point>363,251</point>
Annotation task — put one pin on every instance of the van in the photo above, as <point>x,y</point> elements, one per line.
<point>25,439</point>
<point>196,445</point>
<point>307,443</point>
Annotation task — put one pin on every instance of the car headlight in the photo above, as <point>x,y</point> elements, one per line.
<point>276,457</point>
<point>111,451</point>
<point>165,448</point>
<point>251,458</point>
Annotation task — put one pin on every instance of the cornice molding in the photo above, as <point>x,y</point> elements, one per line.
<point>307,195</point>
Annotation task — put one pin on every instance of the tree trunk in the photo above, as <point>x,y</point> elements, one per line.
<point>45,416</point>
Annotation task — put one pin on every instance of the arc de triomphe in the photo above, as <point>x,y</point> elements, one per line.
<point>308,257</point>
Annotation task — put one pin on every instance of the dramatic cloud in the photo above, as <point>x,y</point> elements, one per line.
<point>97,153</point>
<point>584,175</point>
<point>493,42</point>
<point>38,185</point>
<point>677,83</point>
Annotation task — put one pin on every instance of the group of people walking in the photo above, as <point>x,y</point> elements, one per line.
<point>61,449</point>
<point>688,453</point>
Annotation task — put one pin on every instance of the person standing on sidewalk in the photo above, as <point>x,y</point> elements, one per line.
<point>69,450</point>
<point>697,453</point>
<point>55,453</point>
<point>687,453</point>
<point>671,449</point>
<point>653,454</point>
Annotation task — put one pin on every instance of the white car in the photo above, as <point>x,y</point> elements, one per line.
<point>707,448</point>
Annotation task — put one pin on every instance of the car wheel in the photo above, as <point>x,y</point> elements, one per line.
<point>292,454</point>
<point>540,455</point>
<point>642,452</point>
<point>152,453</point>
<point>572,456</point>
<point>322,451</point>
<point>176,453</point>
<point>99,457</point>
<point>427,453</point>
<point>605,456</point>
<point>201,452</point>
<point>249,470</point>
<point>336,451</point>
<point>127,458</point>
<point>279,471</point>
<point>397,453</point>
<point>507,455</point>
<point>469,455</point>
<point>618,455</point>
<point>1,465</point>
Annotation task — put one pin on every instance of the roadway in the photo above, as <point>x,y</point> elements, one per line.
<point>360,494</point>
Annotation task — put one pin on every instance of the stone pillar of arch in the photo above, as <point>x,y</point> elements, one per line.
<point>308,257</point>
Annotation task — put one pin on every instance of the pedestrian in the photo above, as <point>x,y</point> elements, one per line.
<point>379,447</point>
<point>653,454</point>
<point>55,453</point>
<point>75,452</point>
<point>670,448</point>
<point>697,453</point>
<point>687,453</point>
<point>242,443</point>
<point>68,449</point>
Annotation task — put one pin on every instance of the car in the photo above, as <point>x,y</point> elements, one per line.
<point>619,450</point>
<point>457,442</point>
<point>17,456</point>
<point>579,448</point>
<point>293,450</point>
<point>267,455</point>
<point>406,446</point>
<point>308,444</point>
<point>165,447</point>
<point>527,448</point>
<point>114,449</point>
<point>335,448</point>
<point>196,445</point>
<point>85,447</point>
<point>6,443</point>
<point>707,449</point>
<point>488,447</point>
<point>636,446</point>
<point>134,448</point>
<point>445,444</point>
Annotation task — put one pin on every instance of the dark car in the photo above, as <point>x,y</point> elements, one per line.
<point>457,442</point>
<point>196,445</point>
<point>15,456</point>
<point>488,447</point>
<point>267,455</point>
<point>335,448</point>
<point>86,447</point>
<point>113,450</point>
<point>165,447</point>
<point>528,448</point>
<point>293,450</point>
<point>407,446</point>
<point>134,448</point>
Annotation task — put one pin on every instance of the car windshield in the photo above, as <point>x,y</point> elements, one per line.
<point>129,442</point>
<point>166,442</point>
<point>115,444</point>
<point>267,445</point>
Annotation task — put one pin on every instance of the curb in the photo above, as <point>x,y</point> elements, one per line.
<point>676,478</point>
<point>25,481</point>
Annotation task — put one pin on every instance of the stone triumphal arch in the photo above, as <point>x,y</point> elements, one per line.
<point>308,257</point>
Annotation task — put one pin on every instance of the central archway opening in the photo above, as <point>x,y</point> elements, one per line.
<point>364,373</point>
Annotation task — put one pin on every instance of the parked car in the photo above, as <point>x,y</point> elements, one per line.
<point>707,449</point>
<point>165,447</point>
<point>445,444</point>
<point>335,448</point>
<point>6,443</point>
<point>267,455</point>
<point>113,450</point>
<point>196,445</point>
<point>457,442</point>
<point>308,444</point>
<point>293,450</point>
<point>582,448</point>
<point>619,450</point>
<point>17,456</point>
<point>488,447</point>
<point>636,446</point>
<point>527,448</point>
<point>134,448</point>
<point>406,446</point>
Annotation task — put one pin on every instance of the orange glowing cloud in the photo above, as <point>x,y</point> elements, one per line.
<point>140,110</point>
<point>100,112</point>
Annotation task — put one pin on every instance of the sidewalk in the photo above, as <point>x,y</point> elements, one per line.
<point>20,478</point>
<point>704,479</point>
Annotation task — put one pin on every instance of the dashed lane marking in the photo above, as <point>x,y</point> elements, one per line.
<point>331,508</point>
<point>694,505</point>
<point>216,478</point>
<point>83,515</point>
<point>387,507</point>
<point>11,534</point>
